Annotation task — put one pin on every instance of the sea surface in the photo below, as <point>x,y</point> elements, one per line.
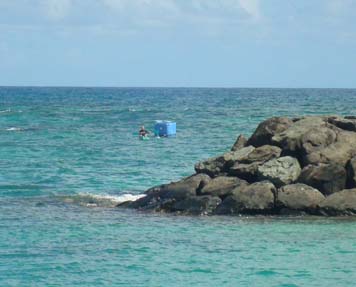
<point>69,155</point>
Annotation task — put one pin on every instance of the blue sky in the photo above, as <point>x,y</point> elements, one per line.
<point>204,43</point>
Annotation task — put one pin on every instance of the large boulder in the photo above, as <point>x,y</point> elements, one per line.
<point>246,168</point>
<point>339,152</point>
<point>222,186</point>
<point>267,129</point>
<point>340,203</point>
<point>327,178</point>
<point>305,136</point>
<point>257,198</point>
<point>351,173</point>
<point>240,142</point>
<point>280,171</point>
<point>299,197</point>
<point>197,205</point>
<point>183,188</point>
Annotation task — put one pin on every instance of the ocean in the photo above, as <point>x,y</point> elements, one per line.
<point>69,155</point>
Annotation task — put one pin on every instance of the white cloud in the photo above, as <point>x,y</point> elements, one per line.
<point>251,7</point>
<point>57,9</point>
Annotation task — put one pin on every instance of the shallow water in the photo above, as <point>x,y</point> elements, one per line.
<point>68,155</point>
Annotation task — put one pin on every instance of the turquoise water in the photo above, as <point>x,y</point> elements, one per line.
<point>67,155</point>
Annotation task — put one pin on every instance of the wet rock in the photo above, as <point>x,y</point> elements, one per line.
<point>222,186</point>
<point>299,197</point>
<point>257,198</point>
<point>267,129</point>
<point>240,142</point>
<point>327,178</point>
<point>340,203</point>
<point>280,171</point>
<point>197,205</point>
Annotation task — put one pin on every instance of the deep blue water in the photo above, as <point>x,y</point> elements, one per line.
<point>62,148</point>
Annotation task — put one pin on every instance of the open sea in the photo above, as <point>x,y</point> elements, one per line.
<point>69,155</point>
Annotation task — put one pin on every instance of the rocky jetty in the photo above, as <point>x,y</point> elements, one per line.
<point>295,166</point>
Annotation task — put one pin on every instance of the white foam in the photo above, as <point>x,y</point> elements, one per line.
<point>100,200</point>
<point>13,129</point>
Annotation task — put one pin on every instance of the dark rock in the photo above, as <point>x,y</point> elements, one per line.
<point>351,173</point>
<point>327,178</point>
<point>347,123</point>
<point>212,166</point>
<point>257,198</point>
<point>246,167</point>
<point>267,129</point>
<point>240,142</point>
<point>299,197</point>
<point>183,188</point>
<point>148,202</point>
<point>340,203</point>
<point>197,205</point>
<point>245,171</point>
<point>305,136</point>
<point>222,186</point>
<point>280,171</point>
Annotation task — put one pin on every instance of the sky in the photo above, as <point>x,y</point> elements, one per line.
<point>178,43</point>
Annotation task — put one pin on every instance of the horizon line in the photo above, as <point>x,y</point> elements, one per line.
<point>168,87</point>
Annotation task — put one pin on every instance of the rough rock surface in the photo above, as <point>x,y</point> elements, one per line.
<point>222,186</point>
<point>240,142</point>
<point>256,198</point>
<point>327,178</point>
<point>311,160</point>
<point>267,129</point>
<point>212,166</point>
<point>299,197</point>
<point>280,171</point>
<point>340,203</point>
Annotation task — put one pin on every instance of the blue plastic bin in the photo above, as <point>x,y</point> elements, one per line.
<point>165,128</point>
